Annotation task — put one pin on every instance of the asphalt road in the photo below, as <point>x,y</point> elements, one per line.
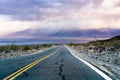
<point>62,65</point>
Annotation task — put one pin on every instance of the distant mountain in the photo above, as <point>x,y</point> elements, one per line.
<point>79,33</point>
<point>29,33</point>
<point>66,33</point>
<point>87,33</point>
<point>100,33</point>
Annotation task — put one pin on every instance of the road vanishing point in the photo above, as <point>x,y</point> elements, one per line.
<point>56,63</point>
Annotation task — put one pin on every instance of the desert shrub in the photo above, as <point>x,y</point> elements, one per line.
<point>26,48</point>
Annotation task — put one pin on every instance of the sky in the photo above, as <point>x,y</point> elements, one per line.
<point>19,15</point>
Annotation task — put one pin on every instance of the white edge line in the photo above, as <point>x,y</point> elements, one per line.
<point>91,66</point>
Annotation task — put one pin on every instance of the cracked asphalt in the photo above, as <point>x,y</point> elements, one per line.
<point>61,66</point>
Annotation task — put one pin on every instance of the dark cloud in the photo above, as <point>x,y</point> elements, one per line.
<point>25,9</point>
<point>34,9</point>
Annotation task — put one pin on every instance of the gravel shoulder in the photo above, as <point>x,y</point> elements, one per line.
<point>19,53</point>
<point>104,60</point>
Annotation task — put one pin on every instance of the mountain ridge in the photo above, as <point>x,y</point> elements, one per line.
<point>67,33</point>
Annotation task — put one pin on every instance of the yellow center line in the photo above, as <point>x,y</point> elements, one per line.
<point>22,70</point>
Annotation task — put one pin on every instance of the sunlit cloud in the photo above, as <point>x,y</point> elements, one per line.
<point>7,25</point>
<point>52,15</point>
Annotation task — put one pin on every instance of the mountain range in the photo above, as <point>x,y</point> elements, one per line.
<point>101,33</point>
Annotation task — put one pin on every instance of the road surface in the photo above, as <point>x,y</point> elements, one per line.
<point>54,64</point>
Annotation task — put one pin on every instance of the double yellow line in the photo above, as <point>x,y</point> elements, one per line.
<point>22,70</point>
